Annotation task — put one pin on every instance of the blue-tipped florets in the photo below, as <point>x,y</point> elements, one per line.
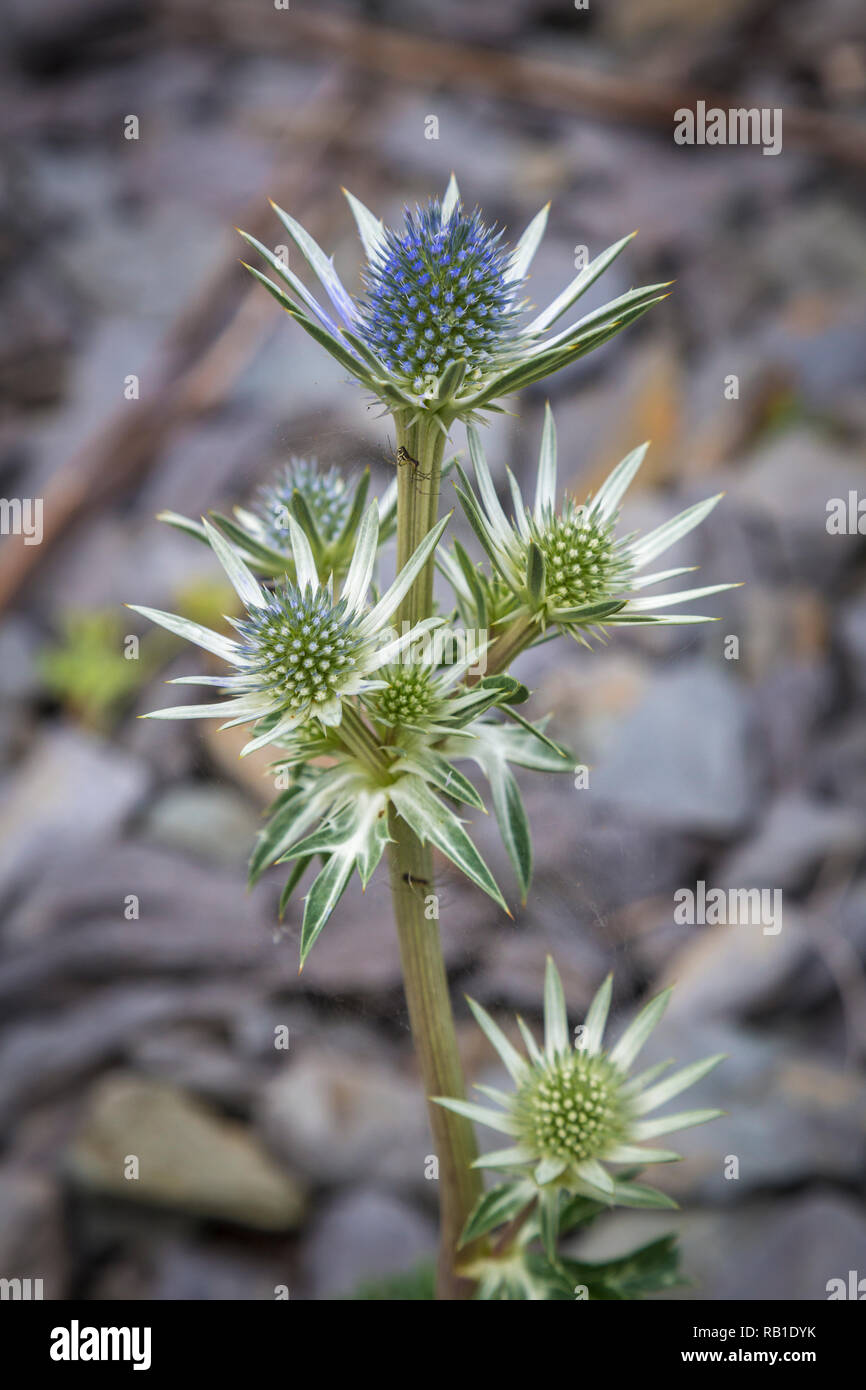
<point>301,648</point>
<point>440,294</point>
<point>325,494</point>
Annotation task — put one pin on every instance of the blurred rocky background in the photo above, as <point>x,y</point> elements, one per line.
<point>145,993</point>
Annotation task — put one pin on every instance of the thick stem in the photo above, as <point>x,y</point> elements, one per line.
<point>418,506</point>
<point>432,1026</point>
<point>507,646</point>
<point>424,976</point>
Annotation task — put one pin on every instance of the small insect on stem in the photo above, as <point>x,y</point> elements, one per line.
<point>404,458</point>
<point>412,882</point>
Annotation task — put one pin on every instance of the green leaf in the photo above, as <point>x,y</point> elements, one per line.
<point>183,523</point>
<point>535,575</point>
<point>647,1270</point>
<point>289,278</point>
<point>631,1194</point>
<point>510,690</point>
<point>516,1066</point>
<point>321,264</point>
<point>563,759</point>
<point>500,1204</point>
<point>307,523</point>
<point>357,509</point>
<point>664,536</point>
<point>429,764</point>
<point>272,561</point>
<point>432,821</point>
<point>606,501</point>
<point>634,1037</point>
<point>548,1220</point>
<point>521,257</point>
<point>478,523</point>
<point>327,890</point>
<point>370,228</point>
<point>474,585</point>
<point>299,868</point>
<point>274,839</point>
<point>367,858</point>
<point>451,380</point>
<point>512,820</point>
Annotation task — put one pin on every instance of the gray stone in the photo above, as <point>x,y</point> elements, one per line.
<point>40,1058</point>
<point>786,486</point>
<point>189,1158</point>
<point>790,702</point>
<point>852,635</point>
<point>204,819</point>
<point>32,1242</point>
<point>793,1252</point>
<point>785,1249</point>
<point>189,1058</point>
<point>514,963</point>
<point>364,1235</point>
<point>19,671</point>
<point>837,763</point>
<point>737,968</point>
<point>336,1119</point>
<point>72,789</point>
<point>788,1119</point>
<point>797,836</point>
<point>682,759</point>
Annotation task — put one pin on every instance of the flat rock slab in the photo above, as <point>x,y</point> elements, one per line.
<point>189,1158</point>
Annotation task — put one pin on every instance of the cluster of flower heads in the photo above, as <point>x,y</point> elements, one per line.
<point>438,292</point>
<point>302,652</point>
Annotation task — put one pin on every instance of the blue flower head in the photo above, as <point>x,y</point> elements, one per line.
<point>324,491</point>
<point>438,292</point>
<point>439,328</point>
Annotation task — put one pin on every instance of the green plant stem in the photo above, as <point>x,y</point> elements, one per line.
<point>432,1024</point>
<point>418,506</point>
<point>507,646</point>
<point>411,864</point>
<point>357,737</point>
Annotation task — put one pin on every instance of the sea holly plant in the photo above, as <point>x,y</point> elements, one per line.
<point>576,1109</point>
<point>381,705</point>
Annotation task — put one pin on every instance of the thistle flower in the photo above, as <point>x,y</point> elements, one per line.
<point>325,497</point>
<point>300,651</point>
<point>576,1109</point>
<point>327,507</point>
<point>569,567</point>
<point>440,328</point>
<point>421,693</point>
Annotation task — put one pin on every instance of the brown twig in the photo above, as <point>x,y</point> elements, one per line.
<point>427,63</point>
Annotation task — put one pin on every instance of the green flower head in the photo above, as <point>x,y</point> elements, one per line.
<point>300,651</point>
<point>568,567</point>
<point>575,1108</point>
